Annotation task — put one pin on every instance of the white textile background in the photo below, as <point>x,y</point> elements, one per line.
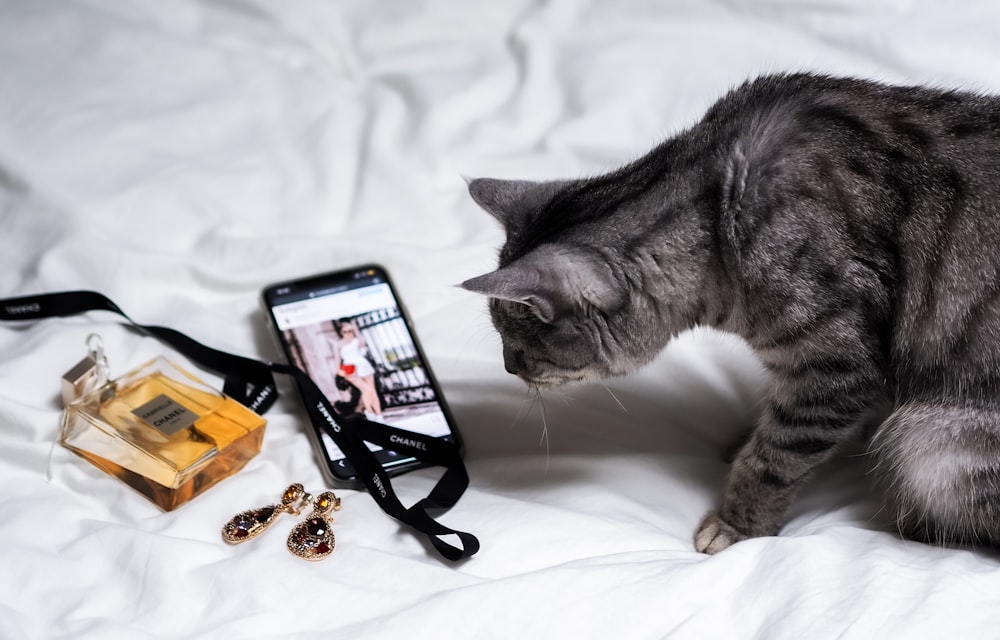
<point>178,156</point>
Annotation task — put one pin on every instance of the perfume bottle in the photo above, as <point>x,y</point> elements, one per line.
<point>157,428</point>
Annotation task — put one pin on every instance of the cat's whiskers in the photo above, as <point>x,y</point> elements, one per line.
<point>545,428</point>
<point>480,333</point>
<point>608,389</point>
<point>526,407</point>
<point>534,394</point>
<point>565,397</point>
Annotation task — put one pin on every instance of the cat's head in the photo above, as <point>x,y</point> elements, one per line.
<point>566,299</point>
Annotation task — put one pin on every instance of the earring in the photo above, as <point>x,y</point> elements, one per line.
<point>312,539</point>
<point>253,522</point>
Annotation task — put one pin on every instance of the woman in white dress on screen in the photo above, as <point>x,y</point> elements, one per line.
<point>352,365</point>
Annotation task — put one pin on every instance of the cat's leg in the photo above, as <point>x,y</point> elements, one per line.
<point>737,444</point>
<point>815,405</point>
<point>941,467</point>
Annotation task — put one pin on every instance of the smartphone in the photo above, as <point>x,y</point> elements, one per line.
<point>348,330</point>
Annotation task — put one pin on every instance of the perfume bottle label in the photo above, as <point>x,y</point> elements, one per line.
<point>166,415</point>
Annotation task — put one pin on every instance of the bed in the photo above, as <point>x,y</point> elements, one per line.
<point>180,156</point>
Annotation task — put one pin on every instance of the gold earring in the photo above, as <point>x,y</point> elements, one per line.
<point>312,539</point>
<point>249,524</point>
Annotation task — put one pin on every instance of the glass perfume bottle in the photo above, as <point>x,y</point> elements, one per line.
<point>157,428</point>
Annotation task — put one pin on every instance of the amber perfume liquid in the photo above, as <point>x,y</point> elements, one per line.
<point>163,432</point>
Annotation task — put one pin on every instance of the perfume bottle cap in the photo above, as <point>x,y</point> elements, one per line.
<point>75,382</point>
<point>87,374</point>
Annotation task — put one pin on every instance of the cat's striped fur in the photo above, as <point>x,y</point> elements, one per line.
<point>848,230</point>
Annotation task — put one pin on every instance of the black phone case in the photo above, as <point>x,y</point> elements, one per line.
<point>337,470</point>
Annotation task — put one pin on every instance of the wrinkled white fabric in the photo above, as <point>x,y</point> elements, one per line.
<point>178,156</point>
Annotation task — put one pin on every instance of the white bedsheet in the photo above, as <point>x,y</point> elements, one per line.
<point>180,155</point>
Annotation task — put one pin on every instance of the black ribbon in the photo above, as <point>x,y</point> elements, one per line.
<point>251,382</point>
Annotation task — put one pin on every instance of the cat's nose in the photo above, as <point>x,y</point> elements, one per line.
<point>513,360</point>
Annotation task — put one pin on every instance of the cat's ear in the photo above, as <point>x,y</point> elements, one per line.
<point>513,201</point>
<point>554,281</point>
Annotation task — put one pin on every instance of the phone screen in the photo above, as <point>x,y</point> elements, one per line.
<point>348,331</point>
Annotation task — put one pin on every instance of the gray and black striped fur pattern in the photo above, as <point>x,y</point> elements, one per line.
<point>849,231</point>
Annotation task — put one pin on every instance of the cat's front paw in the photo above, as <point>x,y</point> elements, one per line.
<point>715,534</point>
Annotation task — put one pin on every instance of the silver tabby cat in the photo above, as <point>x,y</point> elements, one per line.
<point>849,231</point>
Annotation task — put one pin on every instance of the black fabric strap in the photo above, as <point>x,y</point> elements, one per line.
<point>251,382</point>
